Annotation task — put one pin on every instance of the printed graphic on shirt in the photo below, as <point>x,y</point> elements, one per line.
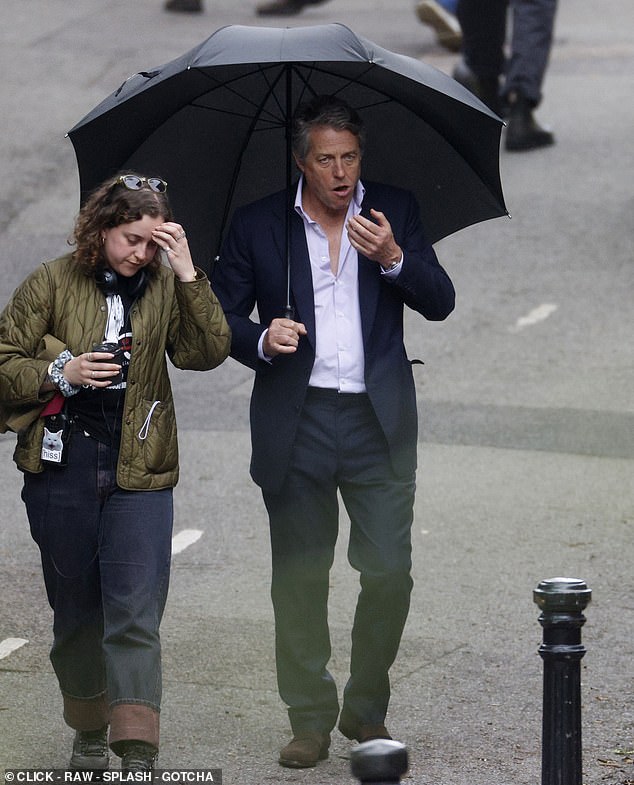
<point>123,354</point>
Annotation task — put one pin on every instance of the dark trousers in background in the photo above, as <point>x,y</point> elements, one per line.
<point>484,24</point>
<point>106,561</point>
<point>339,445</point>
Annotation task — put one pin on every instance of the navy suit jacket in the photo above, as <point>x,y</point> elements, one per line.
<point>252,273</point>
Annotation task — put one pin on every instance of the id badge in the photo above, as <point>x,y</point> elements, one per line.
<point>55,440</point>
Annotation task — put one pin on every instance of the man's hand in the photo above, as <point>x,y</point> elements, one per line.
<point>282,337</point>
<point>374,239</point>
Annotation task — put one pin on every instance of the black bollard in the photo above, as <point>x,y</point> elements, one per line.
<point>562,601</point>
<point>380,761</point>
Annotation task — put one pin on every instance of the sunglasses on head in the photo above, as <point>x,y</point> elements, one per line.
<point>135,183</point>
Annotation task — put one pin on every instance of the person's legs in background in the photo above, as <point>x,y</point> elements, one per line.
<point>531,43</point>
<point>483,34</point>
<point>512,88</point>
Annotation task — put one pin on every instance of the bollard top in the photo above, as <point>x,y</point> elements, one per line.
<point>562,594</point>
<point>379,760</point>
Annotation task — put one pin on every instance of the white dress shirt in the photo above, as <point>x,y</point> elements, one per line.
<point>339,355</point>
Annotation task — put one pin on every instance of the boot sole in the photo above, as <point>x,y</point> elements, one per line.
<point>291,763</point>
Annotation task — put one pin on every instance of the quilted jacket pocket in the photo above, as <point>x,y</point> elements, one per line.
<point>156,434</point>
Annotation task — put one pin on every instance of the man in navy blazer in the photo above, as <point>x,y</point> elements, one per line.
<point>333,410</point>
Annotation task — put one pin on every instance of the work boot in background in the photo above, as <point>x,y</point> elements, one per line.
<point>523,132</point>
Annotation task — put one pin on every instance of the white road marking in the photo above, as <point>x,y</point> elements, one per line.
<point>535,316</point>
<point>9,645</point>
<point>184,539</point>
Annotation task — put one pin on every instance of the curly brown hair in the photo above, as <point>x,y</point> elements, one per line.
<point>109,205</point>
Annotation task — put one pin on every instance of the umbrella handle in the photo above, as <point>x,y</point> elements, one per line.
<point>288,312</point>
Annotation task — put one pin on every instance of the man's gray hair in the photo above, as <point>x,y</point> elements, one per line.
<point>324,110</point>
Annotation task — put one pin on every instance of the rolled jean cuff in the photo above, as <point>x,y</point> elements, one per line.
<point>134,721</point>
<point>86,713</point>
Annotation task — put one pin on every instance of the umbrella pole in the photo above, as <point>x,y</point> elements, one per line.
<point>289,311</point>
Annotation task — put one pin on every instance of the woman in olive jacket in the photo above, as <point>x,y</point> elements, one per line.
<point>84,383</point>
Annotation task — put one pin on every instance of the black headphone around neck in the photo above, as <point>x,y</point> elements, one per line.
<point>108,282</point>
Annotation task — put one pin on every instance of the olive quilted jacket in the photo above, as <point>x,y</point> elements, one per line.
<point>57,301</point>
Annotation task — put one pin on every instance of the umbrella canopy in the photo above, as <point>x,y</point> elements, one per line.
<point>214,123</point>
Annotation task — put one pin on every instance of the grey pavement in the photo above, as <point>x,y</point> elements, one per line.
<point>527,428</point>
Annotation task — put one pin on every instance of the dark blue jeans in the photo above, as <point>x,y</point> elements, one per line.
<point>106,561</point>
<point>339,447</point>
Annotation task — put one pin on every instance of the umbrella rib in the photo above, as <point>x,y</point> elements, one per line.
<point>303,71</point>
<point>259,109</point>
<point>254,119</point>
<point>269,123</point>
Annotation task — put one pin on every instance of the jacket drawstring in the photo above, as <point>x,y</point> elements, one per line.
<point>146,425</point>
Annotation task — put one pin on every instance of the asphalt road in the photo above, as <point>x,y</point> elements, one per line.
<point>526,447</point>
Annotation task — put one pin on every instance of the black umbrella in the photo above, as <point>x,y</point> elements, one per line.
<point>214,124</point>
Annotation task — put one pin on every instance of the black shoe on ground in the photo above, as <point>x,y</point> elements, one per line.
<point>138,756</point>
<point>523,132</point>
<point>284,7</point>
<point>486,89</point>
<point>90,750</point>
<point>184,6</point>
